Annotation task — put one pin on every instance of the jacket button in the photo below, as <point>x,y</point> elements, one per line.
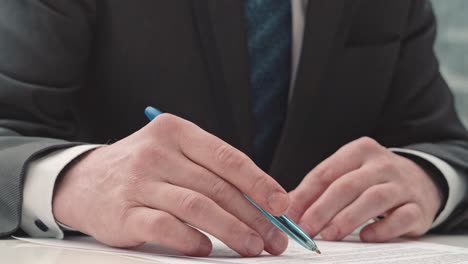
<point>41,225</point>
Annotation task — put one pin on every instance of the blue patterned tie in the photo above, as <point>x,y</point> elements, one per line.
<point>269,44</point>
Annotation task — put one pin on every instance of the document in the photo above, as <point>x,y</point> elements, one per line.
<point>348,251</point>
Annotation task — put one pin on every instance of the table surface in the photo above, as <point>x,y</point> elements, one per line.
<point>16,252</point>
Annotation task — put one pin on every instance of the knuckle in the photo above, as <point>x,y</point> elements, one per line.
<point>385,165</point>
<point>193,203</point>
<point>158,227</point>
<point>220,190</point>
<point>339,229</point>
<point>167,122</point>
<point>240,231</point>
<point>322,175</point>
<point>159,224</point>
<point>259,183</point>
<point>260,221</point>
<point>412,215</point>
<point>378,194</point>
<point>347,221</point>
<point>319,218</point>
<point>347,186</point>
<point>167,125</point>
<point>367,144</point>
<point>229,157</point>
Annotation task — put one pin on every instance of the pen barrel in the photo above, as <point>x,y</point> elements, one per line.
<point>288,226</point>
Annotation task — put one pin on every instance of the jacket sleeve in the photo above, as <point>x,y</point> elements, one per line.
<point>420,113</point>
<point>44,45</point>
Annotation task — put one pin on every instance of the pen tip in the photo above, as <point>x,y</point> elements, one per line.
<point>318,251</point>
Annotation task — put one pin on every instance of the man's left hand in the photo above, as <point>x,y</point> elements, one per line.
<point>361,181</point>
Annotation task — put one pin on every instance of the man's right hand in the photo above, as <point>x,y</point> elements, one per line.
<point>160,182</point>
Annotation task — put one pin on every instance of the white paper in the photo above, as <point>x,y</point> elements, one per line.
<point>351,251</point>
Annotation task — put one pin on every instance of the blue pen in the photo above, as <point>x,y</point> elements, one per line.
<point>283,222</point>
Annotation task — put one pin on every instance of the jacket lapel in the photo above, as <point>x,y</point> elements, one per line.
<point>327,24</point>
<point>221,28</point>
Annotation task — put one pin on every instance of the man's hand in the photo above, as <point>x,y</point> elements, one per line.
<point>160,182</point>
<point>361,181</point>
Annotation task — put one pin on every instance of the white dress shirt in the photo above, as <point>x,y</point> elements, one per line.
<point>37,216</point>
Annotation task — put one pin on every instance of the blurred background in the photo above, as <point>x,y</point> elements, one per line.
<point>452,48</point>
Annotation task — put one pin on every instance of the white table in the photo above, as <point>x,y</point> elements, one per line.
<point>452,240</point>
<point>16,252</point>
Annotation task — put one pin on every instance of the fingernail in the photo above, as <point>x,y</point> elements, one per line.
<point>278,202</point>
<point>368,235</point>
<point>254,245</point>
<point>329,233</point>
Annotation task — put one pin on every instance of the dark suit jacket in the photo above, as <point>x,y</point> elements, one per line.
<point>84,70</point>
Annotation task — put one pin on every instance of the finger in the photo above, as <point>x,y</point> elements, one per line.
<point>337,197</point>
<point>193,177</point>
<point>401,222</point>
<point>154,226</point>
<point>347,159</point>
<point>373,202</point>
<point>233,166</point>
<point>203,213</point>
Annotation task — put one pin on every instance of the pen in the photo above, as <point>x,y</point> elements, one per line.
<point>284,223</point>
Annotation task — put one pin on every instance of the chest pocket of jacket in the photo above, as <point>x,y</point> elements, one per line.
<point>368,66</point>
<point>359,81</point>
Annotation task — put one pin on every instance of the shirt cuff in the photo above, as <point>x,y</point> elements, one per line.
<point>456,184</point>
<point>37,216</point>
